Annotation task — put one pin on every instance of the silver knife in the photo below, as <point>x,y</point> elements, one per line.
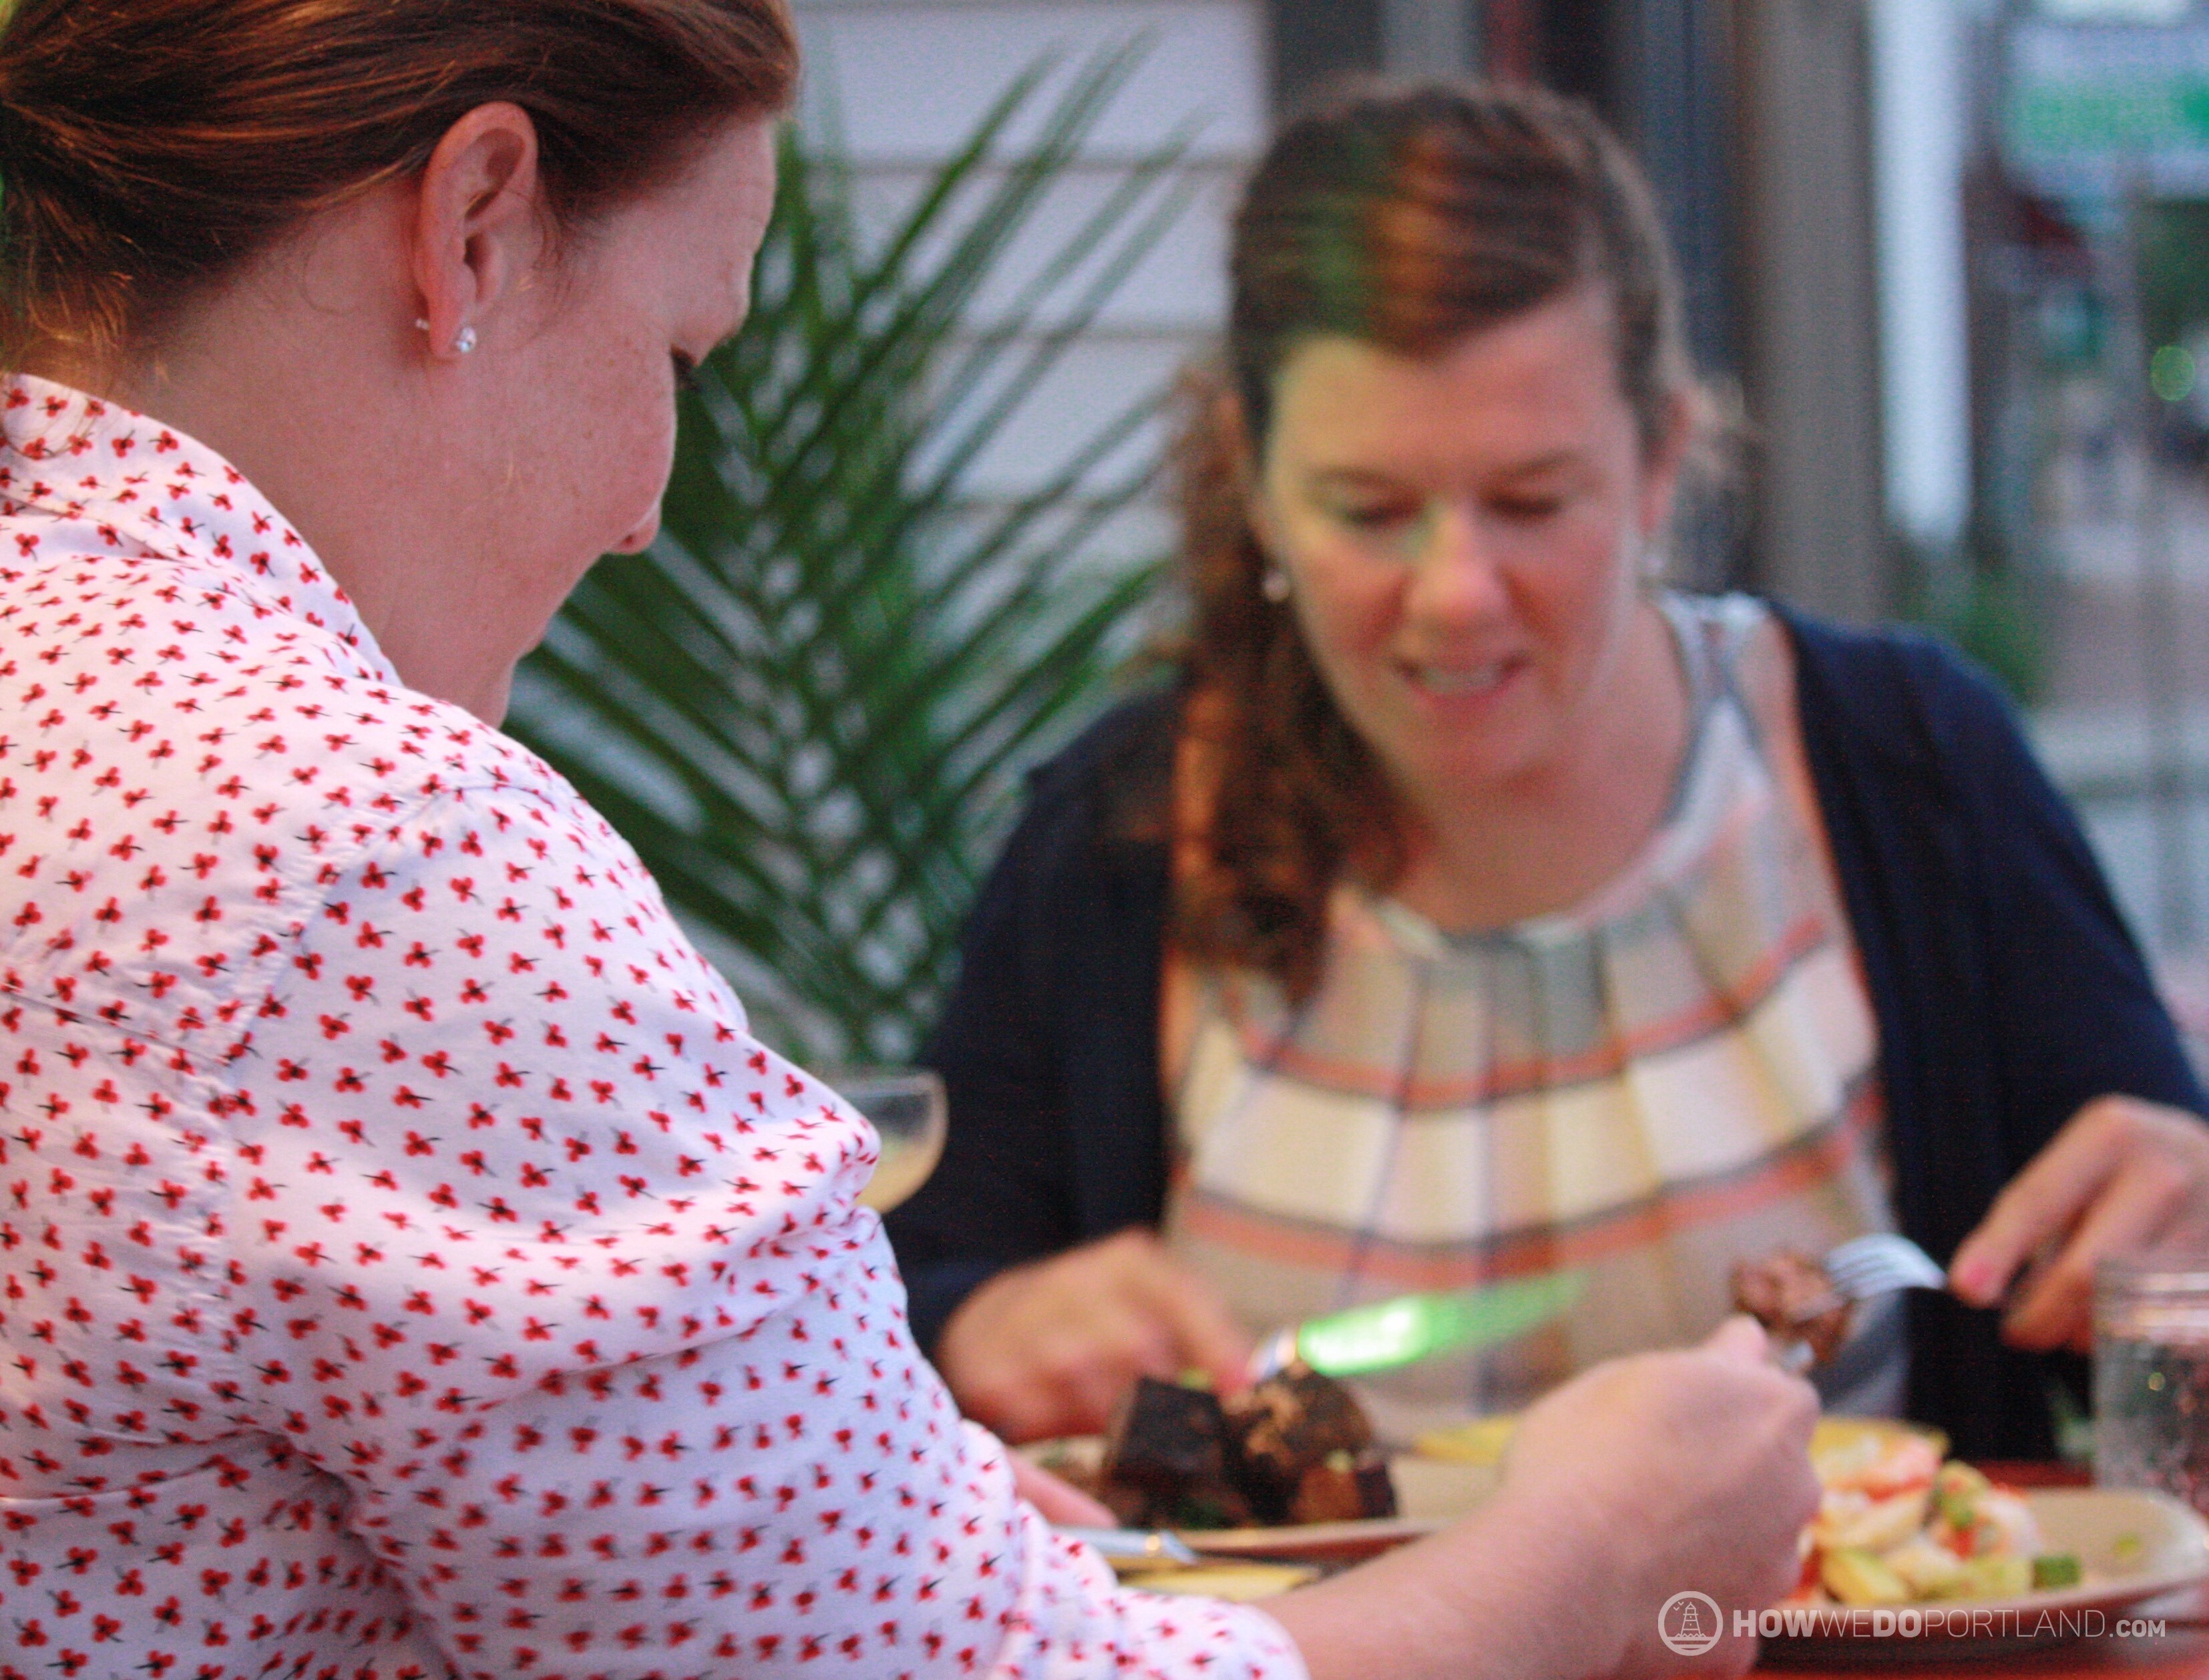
<point>1411,1328</point>
<point>1136,1546</point>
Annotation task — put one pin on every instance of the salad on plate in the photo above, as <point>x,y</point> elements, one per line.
<point>1898,1524</point>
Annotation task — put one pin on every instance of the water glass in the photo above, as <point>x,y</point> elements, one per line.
<point>2151,1376</point>
<point>908,1114</point>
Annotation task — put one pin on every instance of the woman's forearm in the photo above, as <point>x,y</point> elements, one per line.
<point>1505,1596</point>
<point>1687,1470</point>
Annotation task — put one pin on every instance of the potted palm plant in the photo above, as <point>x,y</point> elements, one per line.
<point>807,706</point>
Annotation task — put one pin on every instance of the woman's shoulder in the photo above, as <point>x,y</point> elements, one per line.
<point>1118,771</point>
<point>1893,691</point>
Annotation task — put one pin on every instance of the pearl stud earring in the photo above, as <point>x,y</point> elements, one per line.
<point>1274,585</point>
<point>463,341</point>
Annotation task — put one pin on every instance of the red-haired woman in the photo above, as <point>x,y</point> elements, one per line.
<point>409,1265</point>
<point>1475,906</point>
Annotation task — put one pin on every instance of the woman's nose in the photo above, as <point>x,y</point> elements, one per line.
<point>640,538</point>
<point>1455,579</point>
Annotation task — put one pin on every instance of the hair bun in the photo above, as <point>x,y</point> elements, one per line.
<point>165,141</point>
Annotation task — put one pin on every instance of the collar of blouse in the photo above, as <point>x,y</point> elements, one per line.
<point>79,456</point>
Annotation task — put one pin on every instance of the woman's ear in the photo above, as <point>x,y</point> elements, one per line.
<point>480,224</point>
<point>1665,461</point>
<point>1240,450</point>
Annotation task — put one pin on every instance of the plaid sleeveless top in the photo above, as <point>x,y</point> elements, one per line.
<point>1676,1074</point>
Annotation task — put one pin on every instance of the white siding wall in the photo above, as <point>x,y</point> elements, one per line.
<point>909,79</point>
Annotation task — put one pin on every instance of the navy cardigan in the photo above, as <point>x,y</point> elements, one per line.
<point>2007,990</point>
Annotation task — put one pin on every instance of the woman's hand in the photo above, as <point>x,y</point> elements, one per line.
<point>1056,1500</point>
<point>2122,1175</point>
<point>1697,1465</point>
<point>1049,1348</point>
<point>1684,1472</point>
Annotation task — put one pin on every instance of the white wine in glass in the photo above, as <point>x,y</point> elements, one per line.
<point>908,1114</point>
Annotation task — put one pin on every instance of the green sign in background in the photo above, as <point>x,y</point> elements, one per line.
<point>2083,105</point>
<point>2111,120</point>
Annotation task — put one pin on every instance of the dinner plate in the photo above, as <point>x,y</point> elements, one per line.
<point>1452,1471</point>
<point>1838,1442</point>
<point>1430,1494</point>
<point>2132,1546</point>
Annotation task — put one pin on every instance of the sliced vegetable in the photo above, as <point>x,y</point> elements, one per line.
<point>1930,1571</point>
<point>1956,1490</point>
<point>1856,1576</point>
<point>2055,1569</point>
<point>1994,1578</point>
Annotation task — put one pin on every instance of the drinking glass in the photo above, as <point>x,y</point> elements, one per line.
<point>2151,1374</point>
<point>908,1114</point>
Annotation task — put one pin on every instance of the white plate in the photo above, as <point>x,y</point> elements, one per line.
<point>2131,1546</point>
<point>1429,1494</point>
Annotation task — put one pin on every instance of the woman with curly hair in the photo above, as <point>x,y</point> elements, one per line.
<point>1474,905</point>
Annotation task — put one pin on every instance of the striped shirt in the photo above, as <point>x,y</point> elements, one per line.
<point>1677,1074</point>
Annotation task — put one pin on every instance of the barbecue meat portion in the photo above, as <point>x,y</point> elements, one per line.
<point>1791,1295</point>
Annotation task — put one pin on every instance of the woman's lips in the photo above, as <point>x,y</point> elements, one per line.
<point>1459,681</point>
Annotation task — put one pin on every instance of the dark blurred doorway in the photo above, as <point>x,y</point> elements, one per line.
<point>1751,118</point>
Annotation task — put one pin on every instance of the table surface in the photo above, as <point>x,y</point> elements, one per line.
<point>2180,1652</point>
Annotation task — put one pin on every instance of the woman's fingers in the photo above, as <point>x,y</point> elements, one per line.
<point>2041,1203</point>
<point>2122,1175</point>
<point>1064,1360</point>
<point>1740,1339</point>
<point>1059,1502</point>
<point>2147,1196</point>
<point>1206,1337</point>
<point>1050,1348</point>
<point>1103,1356</point>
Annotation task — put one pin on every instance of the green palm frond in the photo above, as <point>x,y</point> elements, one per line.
<point>807,706</point>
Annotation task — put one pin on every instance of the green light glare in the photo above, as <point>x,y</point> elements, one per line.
<point>2170,374</point>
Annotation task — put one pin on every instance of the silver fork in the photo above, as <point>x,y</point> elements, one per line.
<point>1858,1269</point>
<point>1880,1264</point>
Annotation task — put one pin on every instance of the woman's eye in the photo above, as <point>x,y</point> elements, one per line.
<point>1528,509</point>
<point>686,370</point>
<point>1375,516</point>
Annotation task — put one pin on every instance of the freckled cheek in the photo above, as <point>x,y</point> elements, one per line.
<point>1353,600</point>
<point>1574,597</point>
<point>1348,622</point>
<point>642,476</point>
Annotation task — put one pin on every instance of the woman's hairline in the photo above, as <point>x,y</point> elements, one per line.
<point>1674,398</point>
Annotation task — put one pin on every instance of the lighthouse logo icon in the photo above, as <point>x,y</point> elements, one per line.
<point>1690,1623</point>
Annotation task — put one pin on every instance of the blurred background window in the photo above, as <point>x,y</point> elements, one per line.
<point>1949,260</point>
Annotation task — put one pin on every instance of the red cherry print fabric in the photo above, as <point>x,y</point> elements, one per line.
<point>409,1265</point>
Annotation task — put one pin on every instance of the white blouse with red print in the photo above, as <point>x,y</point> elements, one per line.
<point>408,1263</point>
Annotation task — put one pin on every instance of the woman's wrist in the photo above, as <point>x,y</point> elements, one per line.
<point>1525,1586</point>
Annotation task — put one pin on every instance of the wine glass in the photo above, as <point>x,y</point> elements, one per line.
<point>907,1110</point>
